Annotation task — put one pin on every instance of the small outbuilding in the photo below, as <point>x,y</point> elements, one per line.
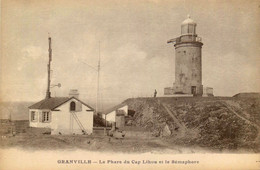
<point>116,114</point>
<point>63,115</point>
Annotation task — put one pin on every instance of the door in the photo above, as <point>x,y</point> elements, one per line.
<point>193,90</point>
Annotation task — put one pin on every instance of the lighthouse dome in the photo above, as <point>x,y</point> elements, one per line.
<point>188,21</point>
<point>188,27</point>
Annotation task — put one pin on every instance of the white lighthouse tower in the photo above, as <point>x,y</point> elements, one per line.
<point>188,62</point>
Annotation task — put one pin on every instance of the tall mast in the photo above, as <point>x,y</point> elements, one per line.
<point>98,70</point>
<point>48,93</point>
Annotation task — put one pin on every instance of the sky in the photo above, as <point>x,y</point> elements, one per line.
<point>132,38</point>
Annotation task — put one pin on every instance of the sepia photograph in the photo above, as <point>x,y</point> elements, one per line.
<point>148,84</point>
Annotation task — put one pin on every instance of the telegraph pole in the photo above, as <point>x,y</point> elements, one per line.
<point>48,93</point>
<point>98,70</point>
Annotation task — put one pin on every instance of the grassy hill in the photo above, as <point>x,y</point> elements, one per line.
<point>217,122</point>
<point>213,123</point>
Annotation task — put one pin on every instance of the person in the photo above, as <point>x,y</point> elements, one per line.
<point>155,93</point>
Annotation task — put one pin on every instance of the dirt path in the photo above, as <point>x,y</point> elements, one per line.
<point>243,118</point>
<point>240,116</point>
<point>174,117</point>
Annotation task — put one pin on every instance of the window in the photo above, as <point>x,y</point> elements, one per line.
<point>45,116</point>
<point>72,106</point>
<point>191,29</point>
<point>184,29</point>
<point>33,116</point>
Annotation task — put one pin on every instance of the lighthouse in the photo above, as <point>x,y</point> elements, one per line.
<point>188,62</point>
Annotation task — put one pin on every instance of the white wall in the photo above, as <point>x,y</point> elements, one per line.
<point>125,108</point>
<point>207,91</point>
<point>64,122</point>
<point>111,117</point>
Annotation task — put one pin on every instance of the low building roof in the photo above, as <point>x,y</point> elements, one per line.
<point>120,113</point>
<point>114,108</point>
<point>54,102</point>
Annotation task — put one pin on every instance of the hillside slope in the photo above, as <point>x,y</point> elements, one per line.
<point>218,123</point>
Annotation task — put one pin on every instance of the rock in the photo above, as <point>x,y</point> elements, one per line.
<point>166,131</point>
<point>129,123</point>
<point>119,135</point>
<point>211,119</point>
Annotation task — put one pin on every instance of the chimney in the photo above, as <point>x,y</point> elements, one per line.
<point>74,93</point>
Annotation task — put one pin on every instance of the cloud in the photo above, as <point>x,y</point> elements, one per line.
<point>132,73</point>
<point>231,73</point>
<point>29,55</point>
<point>126,71</point>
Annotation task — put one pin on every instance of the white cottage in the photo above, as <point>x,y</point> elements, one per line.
<point>116,114</point>
<point>64,115</point>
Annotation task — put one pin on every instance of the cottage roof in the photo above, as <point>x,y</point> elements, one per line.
<point>54,102</point>
<point>115,108</point>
